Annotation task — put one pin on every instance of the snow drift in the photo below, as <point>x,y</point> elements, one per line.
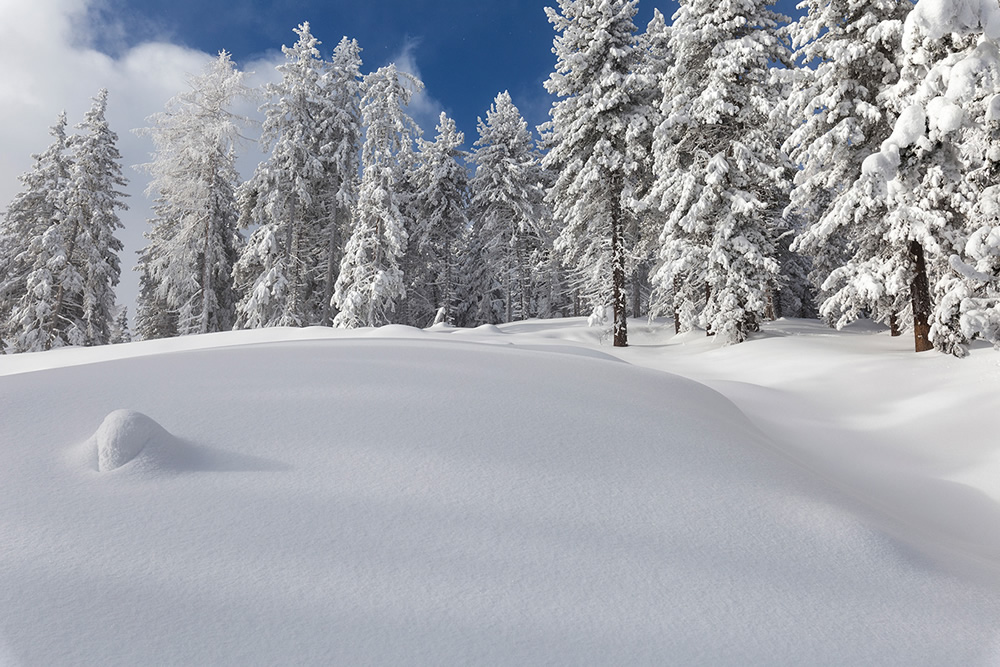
<point>123,435</point>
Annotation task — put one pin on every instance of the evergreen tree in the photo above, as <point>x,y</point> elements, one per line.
<point>849,55</point>
<point>32,211</point>
<point>440,203</point>
<point>290,194</point>
<point>592,149</point>
<point>341,137</point>
<point>69,292</point>
<point>186,284</point>
<point>370,286</point>
<point>720,173</point>
<point>507,241</point>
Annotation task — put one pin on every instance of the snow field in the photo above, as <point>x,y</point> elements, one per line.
<point>456,497</point>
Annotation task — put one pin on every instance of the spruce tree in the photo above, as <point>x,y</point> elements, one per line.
<point>186,284</point>
<point>370,287</point>
<point>591,148</point>
<point>507,239</point>
<point>721,177</point>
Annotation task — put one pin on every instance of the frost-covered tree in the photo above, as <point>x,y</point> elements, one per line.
<point>440,203</point>
<point>592,148</point>
<point>849,54</point>
<point>508,239</point>
<point>370,286</point>
<point>186,283</point>
<point>341,142</point>
<point>293,193</point>
<point>720,173</point>
<point>94,198</point>
<point>33,210</point>
<point>930,166</point>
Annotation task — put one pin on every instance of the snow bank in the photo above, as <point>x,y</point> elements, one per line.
<point>122,436</point>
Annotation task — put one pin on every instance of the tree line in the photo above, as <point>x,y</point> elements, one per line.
<point>726,168</point>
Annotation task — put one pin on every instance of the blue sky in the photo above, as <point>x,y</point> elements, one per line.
<point>466,51</point>
<point>56,54</point>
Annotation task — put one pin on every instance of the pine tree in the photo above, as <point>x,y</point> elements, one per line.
<point>849,55</point>
<point>507,242</point>
<point>69,294</point>
<point>720,173</point>
<point>290,194</point>
<point>440,203</point>
<point>370,286</point>
<point>32,211</point>
<point>186,284</point>
<point>341,141</point>
<point>591,146</point>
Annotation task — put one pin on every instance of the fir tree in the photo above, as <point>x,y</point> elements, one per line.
<point>440,203</point>
<point>720,173</point>
<point>186,283</point>
<point>507,241</point>
<point>370,286</point>
<point>591,146</point>
<point>290,194</point>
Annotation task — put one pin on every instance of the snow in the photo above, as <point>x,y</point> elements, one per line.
<point>521,494</point>
<point>122,436</point>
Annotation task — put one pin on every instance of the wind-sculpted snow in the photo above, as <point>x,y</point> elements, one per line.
<point>122,436</point>
<point>430,499</point>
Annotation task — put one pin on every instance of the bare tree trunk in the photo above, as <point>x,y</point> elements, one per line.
<point>894,329</point>
<point>708,297</point>
<point>677,315</point>
<point>920,296</point>
<point>331,269</point>
<point>618,268</point>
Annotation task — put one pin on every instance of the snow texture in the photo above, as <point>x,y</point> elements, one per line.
<point>503,495</point>
<point>122,436</point>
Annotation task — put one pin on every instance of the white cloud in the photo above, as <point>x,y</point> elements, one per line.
<point>423,108</point>
<point>46,66</point>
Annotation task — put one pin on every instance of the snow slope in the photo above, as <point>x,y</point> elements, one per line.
<point>511,495</point>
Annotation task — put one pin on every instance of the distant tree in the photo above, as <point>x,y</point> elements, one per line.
<point>591,148</point>
<point>440,203</point>
<point>370,286</point>
<point>720,172</point>
<point>186,283</point>
<point>507,240</point>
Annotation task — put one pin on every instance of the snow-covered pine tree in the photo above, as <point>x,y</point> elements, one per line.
<point>721,178</point>
<point>32,211</point>
<point>289,194</point>
<point>440,204</point>
<point>950,76</point>
<point>93,202</point>
<point>370,286</point>
<point>592,149</point>
<point>69,297</point>
<point>186,283</point>
<point>848,54</point>
<point>507,239</point>
<point>341,143</point>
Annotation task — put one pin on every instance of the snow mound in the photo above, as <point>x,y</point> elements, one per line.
<point>122,436</point>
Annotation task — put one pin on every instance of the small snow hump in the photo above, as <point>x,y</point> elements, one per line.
<point>122,436</point>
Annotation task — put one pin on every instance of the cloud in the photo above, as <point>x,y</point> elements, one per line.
<point>423,108</point>
<point>47,65</point>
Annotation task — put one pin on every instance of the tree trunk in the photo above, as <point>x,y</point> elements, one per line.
<point>894,329</point>
<point>618,268</point>
<point>920,296</point>
<point>331,269</point>
<point>677,315</point>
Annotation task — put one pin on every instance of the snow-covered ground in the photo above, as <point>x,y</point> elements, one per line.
<point>517,495</point>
